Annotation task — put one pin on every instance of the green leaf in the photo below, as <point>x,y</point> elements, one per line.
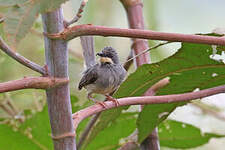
<point>102,123</point>
<point>18,22</point>
<point>15,140</point>
<point>34,133</point>
<point>176,134</point>
<point>22,15</point>
<point>190,68</point>
<point>7,3</point>
<point>122,127</point>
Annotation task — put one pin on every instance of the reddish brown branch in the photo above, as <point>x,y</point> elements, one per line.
<point>32,82</point>
<point>20,58</point>
<point>144,100</point>
<point>134,9</point>
<point>86,29</point>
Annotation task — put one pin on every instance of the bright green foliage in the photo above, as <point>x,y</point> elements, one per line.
<point>33,134</point>
<point>104,120</point>
<point>176,134</point>
<point>117,130</point>
<point>190,68</point>
<point>22,14</point>
<point>14,140</point>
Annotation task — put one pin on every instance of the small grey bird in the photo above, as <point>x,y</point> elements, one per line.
<point>104,77</point>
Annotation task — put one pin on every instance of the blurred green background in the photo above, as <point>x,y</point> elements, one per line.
<point>179,16</point>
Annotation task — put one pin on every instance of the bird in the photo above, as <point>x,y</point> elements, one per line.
<point>103,77</point>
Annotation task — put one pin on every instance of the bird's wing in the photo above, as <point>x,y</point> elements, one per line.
<point>89,77</point>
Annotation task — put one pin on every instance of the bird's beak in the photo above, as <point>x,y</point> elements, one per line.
<point>99,54</point>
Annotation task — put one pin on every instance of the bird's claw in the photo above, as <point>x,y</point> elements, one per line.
<point>97,102</point>
<point>110,98</point>
<point>101,103</point>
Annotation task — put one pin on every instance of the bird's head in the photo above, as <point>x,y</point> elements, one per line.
<point>108,55</point>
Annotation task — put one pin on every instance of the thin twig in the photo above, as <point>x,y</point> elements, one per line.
<point>87,129</point>
<point>91,110</point>
<point>78,15</point>
<point>145,51</point>
<point>128,62</point>
<point>24,61</point>
<point>7,110</point>
<point>32,82</point>
<point>87,29</point>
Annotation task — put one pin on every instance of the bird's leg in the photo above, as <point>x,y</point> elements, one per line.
<point>95,101</point>
<point>110,98</point>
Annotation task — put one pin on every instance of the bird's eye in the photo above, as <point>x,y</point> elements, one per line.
<point>109,55</point>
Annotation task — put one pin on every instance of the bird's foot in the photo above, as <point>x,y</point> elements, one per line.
<point>101,103</point>
<point>110,98</point>
<point>97,102</point>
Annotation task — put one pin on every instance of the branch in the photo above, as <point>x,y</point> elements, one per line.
<point>78,15</point>
<point>134,9</point>
<point>32,82</point>
<point>91,110</point>
<point>87,29</point>
<point>145,51</point>
<point>58,99</point>
<point>20,58</point>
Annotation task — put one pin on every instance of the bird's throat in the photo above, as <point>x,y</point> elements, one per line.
<point>106,60</point>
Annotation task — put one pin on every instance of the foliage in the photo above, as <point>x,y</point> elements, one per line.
<point>34,133</point>
<point>192,67</point>
<point>21,15</point>
<point>176,134</point>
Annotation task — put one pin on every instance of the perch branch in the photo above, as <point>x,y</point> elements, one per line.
<point>144,100</point>
<point>87,29</point>
<point>32,82</point>
<point>20,58</point>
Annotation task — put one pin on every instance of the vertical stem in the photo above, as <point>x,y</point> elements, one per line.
<point>151,142</point>
<point>58,99</point>
<point>136,21</point>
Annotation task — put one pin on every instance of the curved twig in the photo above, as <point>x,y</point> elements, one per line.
<point>24,61</point>
<point>78,15</point>
<point>32,82</point>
